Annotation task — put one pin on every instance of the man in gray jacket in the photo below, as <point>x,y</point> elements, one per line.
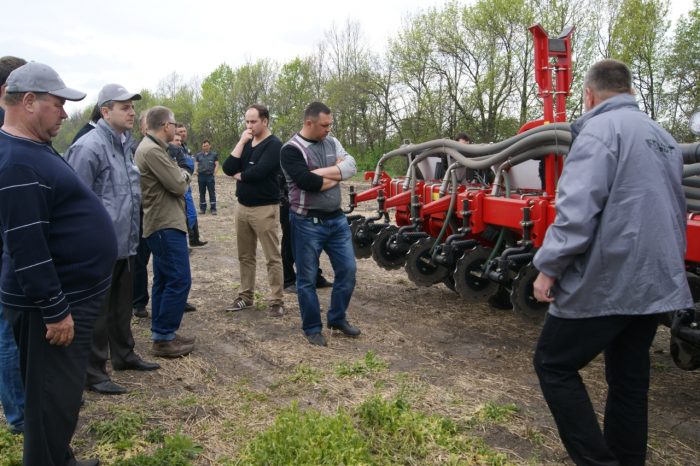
<point>611,262</point>
<point>103,158</point>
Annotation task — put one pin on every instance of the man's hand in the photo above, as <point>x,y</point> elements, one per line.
<point>60,333</point>
<point>246,136</point>
<point>543,288</point>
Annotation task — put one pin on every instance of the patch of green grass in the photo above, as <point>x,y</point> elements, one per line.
<point>259,300</point>
<point>305,374</point>
<point>369,364</point>
<point>120,430</point>
<point>176,450</point>
<point>535,437</point>
<point>10,448</point>
<point>397,434</point>
<point>376,432</point>
<point>495,413</point>
<point>306,437</point>
<point>189,400</point>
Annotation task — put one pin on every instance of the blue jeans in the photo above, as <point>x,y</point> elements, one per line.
<point>171,281</point>
<point>11,387</point>
<point>309,237</point>
<point>206,183</point>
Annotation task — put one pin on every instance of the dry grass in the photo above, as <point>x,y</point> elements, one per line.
<point>445,357</point>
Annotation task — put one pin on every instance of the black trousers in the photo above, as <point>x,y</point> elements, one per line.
<point>290,276</point>
<point>112,337</point>
<point>143,255</point>
<point>54,378</point>
<point>567,345</point>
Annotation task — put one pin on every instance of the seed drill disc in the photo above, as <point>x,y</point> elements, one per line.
<point>362,239</point>
<point>468,276</point>
<point>420,270</point>
<point>382,255</point>
<point>523,298</point>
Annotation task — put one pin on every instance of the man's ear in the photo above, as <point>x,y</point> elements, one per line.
<point>29,100</point>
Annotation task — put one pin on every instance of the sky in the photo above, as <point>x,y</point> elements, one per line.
<point>138,43</point>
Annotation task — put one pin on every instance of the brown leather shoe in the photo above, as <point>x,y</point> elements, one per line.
<point>185,340</point>
<point>276,310</point>
<point>172,348</point>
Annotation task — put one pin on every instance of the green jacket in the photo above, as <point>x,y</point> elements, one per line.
<point>163,186</point>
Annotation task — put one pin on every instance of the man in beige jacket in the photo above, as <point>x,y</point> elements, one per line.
<point>163,185</point>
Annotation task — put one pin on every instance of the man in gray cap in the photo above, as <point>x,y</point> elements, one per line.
<point>55,270</point>
<point>104,160</point>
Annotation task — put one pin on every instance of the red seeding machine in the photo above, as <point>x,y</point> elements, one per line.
<point>472,216</point>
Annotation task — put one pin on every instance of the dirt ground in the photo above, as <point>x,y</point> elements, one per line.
<point>453,356</point>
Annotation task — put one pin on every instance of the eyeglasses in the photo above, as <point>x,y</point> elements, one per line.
<point>174,123</point>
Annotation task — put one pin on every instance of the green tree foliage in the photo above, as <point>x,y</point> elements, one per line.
<point>639,39</point>
<point>465,66</point>
<point>70,128</point>
<point>215,117</point>
<point>682,68</point>
<point>293,90</point>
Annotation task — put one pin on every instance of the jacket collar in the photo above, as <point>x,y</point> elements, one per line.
<point>613,103</point>
<point>116,139</point>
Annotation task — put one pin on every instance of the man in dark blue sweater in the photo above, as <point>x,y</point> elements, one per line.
<point>59,250</point>
<point>11,388</point>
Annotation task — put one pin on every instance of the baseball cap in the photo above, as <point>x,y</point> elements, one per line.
<point>117,93</point>
<point>37,77</point>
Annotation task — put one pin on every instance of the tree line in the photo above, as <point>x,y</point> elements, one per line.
<point>459,67</point>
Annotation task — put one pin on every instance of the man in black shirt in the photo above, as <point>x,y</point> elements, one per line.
<point>255,164</point>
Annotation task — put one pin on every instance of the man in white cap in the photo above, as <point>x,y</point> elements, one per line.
<point>104,160</point>
<point>60,248</point>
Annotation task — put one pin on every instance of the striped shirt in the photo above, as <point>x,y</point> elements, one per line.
<point>59,242</point>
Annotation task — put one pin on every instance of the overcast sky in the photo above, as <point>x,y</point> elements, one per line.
<point>138,43</point>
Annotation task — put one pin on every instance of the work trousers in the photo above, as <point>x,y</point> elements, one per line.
<point>140,289</point>
<point>207,183</point>
<point>54,378</point>
<point>112,337</point>
<point>564,348</point>
<point>253,224</point>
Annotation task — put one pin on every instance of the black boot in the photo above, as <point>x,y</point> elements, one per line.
<point>194,236</point>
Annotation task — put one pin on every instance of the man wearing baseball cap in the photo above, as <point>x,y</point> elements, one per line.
<point>60,248</point>
<point>104,160</point>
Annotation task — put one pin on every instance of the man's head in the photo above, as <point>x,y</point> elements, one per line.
<point>7,65</point>
<point>161,123</point>
<point>317,121</point>
<point>463,138</point>
<point>206,146</point>
<point>182,131</point>
<point>177,141</point>
<point>34,98</point>
<point>605,79</point>
<point>117,107</point>
<point>257,119</point>
<point>143,123</point>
